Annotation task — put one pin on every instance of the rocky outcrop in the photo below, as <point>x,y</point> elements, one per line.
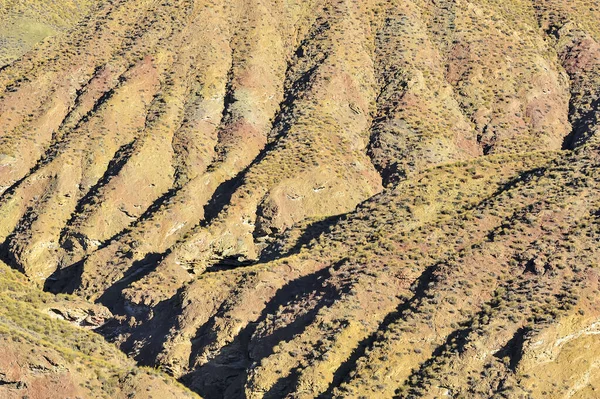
<point>43,357</point>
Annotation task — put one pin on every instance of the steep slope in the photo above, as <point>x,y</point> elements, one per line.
<point>228,143</point>
<point>322,198</point>
<point>43,357</point>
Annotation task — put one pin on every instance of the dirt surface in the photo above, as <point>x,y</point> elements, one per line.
<point>322,198</point>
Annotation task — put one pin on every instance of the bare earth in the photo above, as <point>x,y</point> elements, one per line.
<point>300,199</point>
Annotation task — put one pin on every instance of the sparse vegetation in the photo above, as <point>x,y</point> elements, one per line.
<point>322,198</point>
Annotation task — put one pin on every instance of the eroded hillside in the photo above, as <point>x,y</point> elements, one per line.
<point>323,198</point>
<point>43,356</point>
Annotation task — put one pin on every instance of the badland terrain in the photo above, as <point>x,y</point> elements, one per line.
<point>300,199</point>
